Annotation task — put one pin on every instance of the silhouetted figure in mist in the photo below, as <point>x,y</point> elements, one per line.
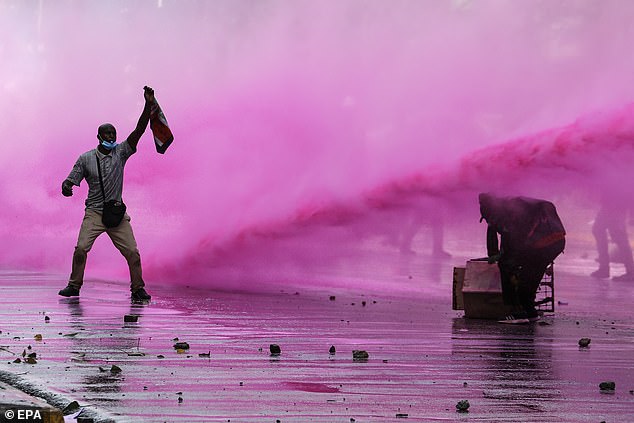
<point>102,168</point>
<point>531,237</point>
<point>611,219</point>
<point>414,225</point>
<point>428,212</point>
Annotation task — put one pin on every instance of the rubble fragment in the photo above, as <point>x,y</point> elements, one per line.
<point>332,349</point>
<point>181,346</point>
<point>275,349</point>
<point>584,342</point>
<point>463,406</point>
<point>71,408</point>
<point>607,386</point>
<point>360,355</point>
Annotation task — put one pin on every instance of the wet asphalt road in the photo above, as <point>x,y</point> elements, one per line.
<point>423,357</point>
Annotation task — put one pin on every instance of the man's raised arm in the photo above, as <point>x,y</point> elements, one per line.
<point>135,136</point>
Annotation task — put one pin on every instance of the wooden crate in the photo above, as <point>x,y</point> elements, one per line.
<point>478,291</point>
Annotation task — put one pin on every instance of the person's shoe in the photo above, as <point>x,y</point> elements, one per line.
<point>601,273</point>
<point>140,295</point>
<point>69,291</point>
<point>626,277</point>
<point>534,318</point>
<point>514,320</point>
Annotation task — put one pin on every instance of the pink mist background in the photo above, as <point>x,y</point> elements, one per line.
<point>309,133</point>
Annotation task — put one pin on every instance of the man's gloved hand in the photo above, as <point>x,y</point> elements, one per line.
<point>67,188</point>
<point>494,258</point>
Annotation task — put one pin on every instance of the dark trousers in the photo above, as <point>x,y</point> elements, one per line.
<point>522,273</point>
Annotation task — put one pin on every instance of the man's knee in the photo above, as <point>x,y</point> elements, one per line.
<point>131,254</point>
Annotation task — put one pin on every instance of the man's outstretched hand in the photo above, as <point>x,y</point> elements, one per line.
<point>67,189</point>
<point>148,93</point>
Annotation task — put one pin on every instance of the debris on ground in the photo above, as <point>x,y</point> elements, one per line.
<point>332,349</point>
<point>71,408</point>
<point>584,342</point>
<point>402,415</point>
<point>332,298</point>
<point>181,346</point>
<point>115,369</point>
<point>607,386</point>
<point>130,318</point>
<point>275,349</point>
<point>38,337</point>
<point>207,354</point>
<point>360,355</point>
<point>463,406</point>
<point>47,319</point>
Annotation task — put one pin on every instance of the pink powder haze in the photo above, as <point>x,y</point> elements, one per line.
<point>309,133</point>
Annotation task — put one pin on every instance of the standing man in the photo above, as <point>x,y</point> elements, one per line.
<point>105,183</point>
<point>612,219</point>
<point>531,237</point>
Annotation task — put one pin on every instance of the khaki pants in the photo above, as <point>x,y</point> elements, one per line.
<point>121,236</point>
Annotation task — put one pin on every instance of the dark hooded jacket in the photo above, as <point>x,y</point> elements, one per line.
<point>526,225</point>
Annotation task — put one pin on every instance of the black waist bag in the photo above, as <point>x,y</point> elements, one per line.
<point>113,210</point>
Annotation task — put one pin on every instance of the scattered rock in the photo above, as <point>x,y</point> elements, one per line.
<point>584,342</point>
<point>607,386</point>
<point>47,319</point>
<point>463,406</point>
<point>543,323</point>
<point>30,360</point>
<point>332,349</point>
<point>464,384</point>
<point>275,349</point>
<point>180,399</point>
<point>562,303</point>
<point>115,369</point>
<point>402,415</point>
<point>332,298</point>
<point>38,337</point>
<point>181,346</point>
<point>160,356</point>
<point>71,408</point>
<point>360,355</point>
<point>363,303</point>
<point>17,360</point>
<point>207,354</point>
<point>130,318</point>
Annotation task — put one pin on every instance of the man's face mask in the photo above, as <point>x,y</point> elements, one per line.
<point>108,145</point>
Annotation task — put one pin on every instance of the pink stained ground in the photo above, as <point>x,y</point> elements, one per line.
<point>423,357</point>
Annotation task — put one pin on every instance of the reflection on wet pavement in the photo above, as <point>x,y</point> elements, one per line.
<point>423,357</point>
